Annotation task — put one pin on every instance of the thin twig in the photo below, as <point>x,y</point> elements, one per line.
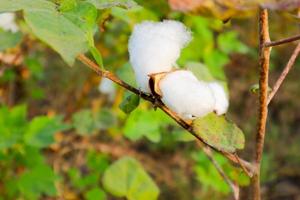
<point>283,41</point>
<point>158,103</point>
<point>234,187</point>
<point>264,62</point>
<point>285,72</point>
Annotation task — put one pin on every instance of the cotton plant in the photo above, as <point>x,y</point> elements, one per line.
<point>154,48</point>
<point>7,22</point>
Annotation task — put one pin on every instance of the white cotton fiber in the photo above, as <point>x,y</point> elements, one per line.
<point>107,87</point>
<point>7,22</point>
<point>184,94</point>
<point>221,97</point>
<point>154,47</point>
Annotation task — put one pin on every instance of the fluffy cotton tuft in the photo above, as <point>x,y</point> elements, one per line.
<point>183,93</point>
<point>221,97</point>
<point>7,22</point>
<point>107,87</point>
<point>154,47</point>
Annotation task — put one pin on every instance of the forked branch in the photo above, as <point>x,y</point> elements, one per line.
<point>284,73</point>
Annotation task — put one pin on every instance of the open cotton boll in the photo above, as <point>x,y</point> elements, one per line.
<point>183,93</point>
<point>7,22</point>
<point>221,97</point>
<point>107,87</point>
<point>154,47</point>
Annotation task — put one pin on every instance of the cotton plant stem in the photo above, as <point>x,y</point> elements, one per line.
<point>264,62</point>
<point>283,41</point>
<point>235,188</point>
<point>284,73</point>
<point>89,63</point>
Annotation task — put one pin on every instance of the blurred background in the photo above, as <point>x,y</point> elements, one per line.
<point>62,129</point>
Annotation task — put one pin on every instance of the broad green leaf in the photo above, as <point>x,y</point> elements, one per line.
<point>12,125</point>
<point>9,39</point>
<point>103,4</point>
<point>129,103</point>
<point>60,33</point>
<point>127,178</point>
<point>41,131</point>
<point>95,194</point>
<point>218,132</point>
<point>83,122</point>
<point>15,5</point>
<point>38,181</point>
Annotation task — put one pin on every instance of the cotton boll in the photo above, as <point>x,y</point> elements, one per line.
<point>154,47</point>
<point>221,97</point>
<point>107,87</point>
<point>184,94</point>
<point>7,22</point>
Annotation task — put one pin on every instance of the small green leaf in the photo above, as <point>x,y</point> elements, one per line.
<point>38,181</point>
<point>12,125</point>
<point>95,194</point>
<point>9,39</point>
<point>127,178</point>
<point>129,103</point>
<point>41,130</point>
<point>255,88</point>
<point>97,56</point>
<point>229,43</point>
<point>104,4</point>
<point>66,5</point>
<point>218,132</point>
<point>83,122</point>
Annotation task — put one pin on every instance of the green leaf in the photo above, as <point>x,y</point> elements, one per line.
<point>95,194</point>
<point>66,5</point>
<point>41,130</point>
<point>129,103</point>
<point>15,5</point>
<point>83,122</point>
<point>38,181</point>
<point>146,123</point>
<point>12,125</point>
<point>9,39</point>
<point>104,4</point>
<point>229,43</point>
<point>57,31</point>
<point>97,56</point>
<point>127,178</point>
<point>218,132</point>
<point>105,119</point>
<point>216,60</point>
